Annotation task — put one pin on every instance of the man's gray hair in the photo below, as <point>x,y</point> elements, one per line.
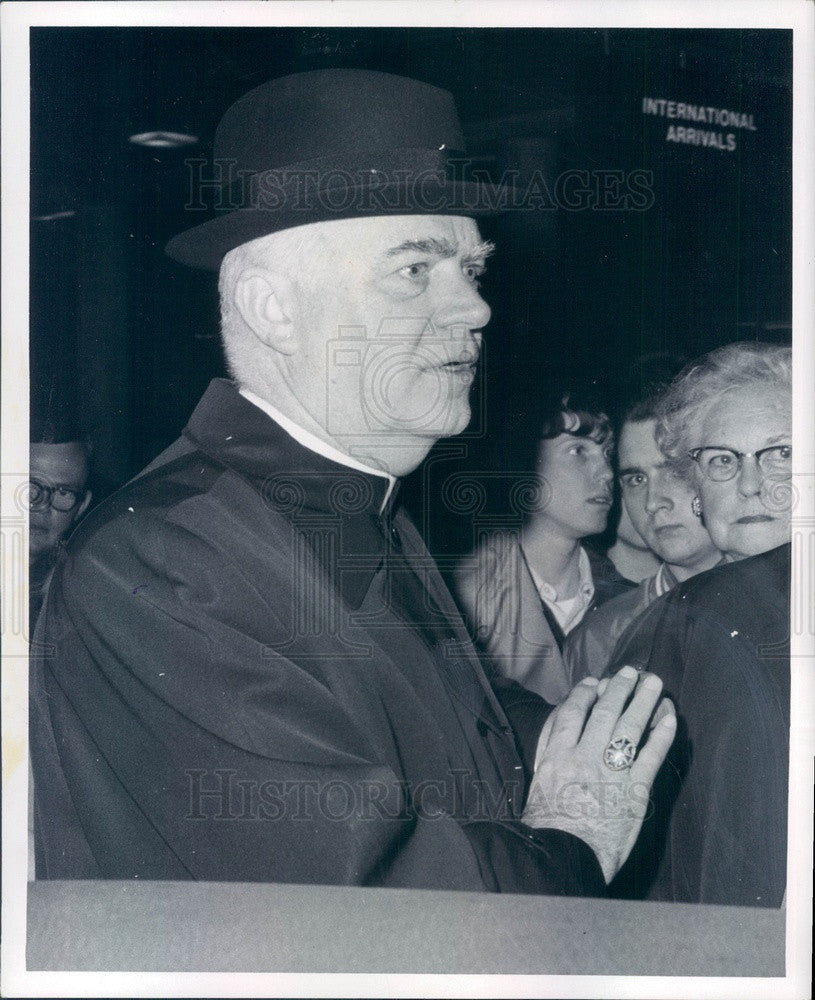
<point>700,384</point>
<point>283,252</point>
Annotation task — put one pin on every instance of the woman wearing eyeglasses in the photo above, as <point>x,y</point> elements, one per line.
<point>722,643</point>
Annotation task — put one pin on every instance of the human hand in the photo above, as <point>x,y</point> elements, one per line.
<point>574,790</point>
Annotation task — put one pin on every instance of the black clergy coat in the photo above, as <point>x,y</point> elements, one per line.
<point>247,671</point>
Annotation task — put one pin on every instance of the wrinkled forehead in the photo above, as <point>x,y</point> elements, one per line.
<point>65,463</point>
<point>383,234</point>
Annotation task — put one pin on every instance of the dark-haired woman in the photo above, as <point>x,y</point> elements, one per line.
<point>523,591</point>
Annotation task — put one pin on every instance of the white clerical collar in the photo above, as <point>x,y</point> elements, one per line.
<point>314,443</point>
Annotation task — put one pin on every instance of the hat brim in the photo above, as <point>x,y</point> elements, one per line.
<point>206,245</point>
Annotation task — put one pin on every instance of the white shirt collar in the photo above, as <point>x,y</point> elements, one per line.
<point>568,611</point>
<point>314,443</point>
<point>661,584</point>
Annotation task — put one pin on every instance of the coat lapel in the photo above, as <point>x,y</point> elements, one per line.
<point>532,643</point>
<point>459,661</point>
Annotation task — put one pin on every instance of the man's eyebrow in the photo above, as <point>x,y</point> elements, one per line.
<point>481,250</point>
<point>631,470</point>
<point>437,247</point>
<point>441,248</point>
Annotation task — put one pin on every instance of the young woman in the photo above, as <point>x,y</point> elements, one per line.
<point>523,591</point>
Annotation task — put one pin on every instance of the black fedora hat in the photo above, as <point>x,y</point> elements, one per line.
<point>325,145</point>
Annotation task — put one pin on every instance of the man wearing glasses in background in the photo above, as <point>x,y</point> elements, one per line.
<point>59,462</point>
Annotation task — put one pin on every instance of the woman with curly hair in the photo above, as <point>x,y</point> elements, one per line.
<point>722,642</point>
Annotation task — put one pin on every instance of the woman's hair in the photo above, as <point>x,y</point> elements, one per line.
<point>704,381</point>
<point>572,413</point>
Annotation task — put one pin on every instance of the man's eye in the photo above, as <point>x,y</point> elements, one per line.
<point>577,449</point>
<point>473,272</point>
<point>633,480</point>
<point>414,271</point>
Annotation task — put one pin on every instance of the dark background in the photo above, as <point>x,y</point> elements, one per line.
<point>128,339</point>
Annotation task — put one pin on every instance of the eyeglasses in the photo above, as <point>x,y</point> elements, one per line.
<point>61,498</point>
<point>721,464</point>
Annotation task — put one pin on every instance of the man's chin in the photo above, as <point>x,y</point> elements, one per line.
<point>456,422</point>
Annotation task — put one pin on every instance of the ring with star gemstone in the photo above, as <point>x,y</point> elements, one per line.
<point>620,753</point>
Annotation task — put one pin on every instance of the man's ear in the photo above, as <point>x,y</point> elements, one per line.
<point>265,300</point>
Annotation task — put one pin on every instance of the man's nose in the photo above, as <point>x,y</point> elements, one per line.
<point>464,309</point>
<point>750,477</point>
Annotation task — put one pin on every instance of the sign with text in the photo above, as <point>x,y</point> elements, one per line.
<point>702,116</point>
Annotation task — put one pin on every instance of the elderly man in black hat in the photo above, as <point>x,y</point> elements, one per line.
<point>259,673</point>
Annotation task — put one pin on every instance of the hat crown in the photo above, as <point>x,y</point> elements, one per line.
<point>328,145</point>
<point>335,112</point>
